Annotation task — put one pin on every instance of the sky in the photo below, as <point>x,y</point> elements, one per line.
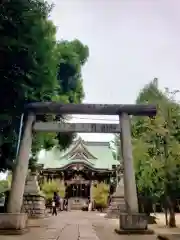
<point>130,43</point>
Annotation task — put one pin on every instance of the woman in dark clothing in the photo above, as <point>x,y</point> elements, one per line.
<point>56,199</point>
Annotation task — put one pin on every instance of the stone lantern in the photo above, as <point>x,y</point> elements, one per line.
<point>34,200</point>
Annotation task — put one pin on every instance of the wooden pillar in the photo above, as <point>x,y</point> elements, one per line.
<point>77,189</point>
<point>46,178</point>
<point>79,193</point>
<point>129,174</point>
<point>21,169</point>
<point>72,188</point>
<point>91,191</point>
<point>52,177</point>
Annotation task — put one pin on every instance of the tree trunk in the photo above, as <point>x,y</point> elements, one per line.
<point>165,210</point>
<point>166,216</point>
<point>172,219</point>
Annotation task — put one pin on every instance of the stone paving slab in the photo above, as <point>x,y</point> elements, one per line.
<point>69,226</point>
<point>70,232</point>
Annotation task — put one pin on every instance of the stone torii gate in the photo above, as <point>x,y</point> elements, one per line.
<point>132,219</point>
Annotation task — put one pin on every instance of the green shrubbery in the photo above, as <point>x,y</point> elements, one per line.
<point>48,188</point>
<point>100,195</point>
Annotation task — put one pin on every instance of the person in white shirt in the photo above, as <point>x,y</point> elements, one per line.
<point>54,210</point>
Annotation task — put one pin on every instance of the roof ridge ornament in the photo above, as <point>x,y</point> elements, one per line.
<point>78,155</point>
<point>80,140</point>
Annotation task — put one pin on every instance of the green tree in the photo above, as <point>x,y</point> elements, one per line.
<point>116,147</point>
<point>71,56</point>
<point>28,69</point>
<point>4,186</point>
<point>35,67</point>
<point>156,148</point>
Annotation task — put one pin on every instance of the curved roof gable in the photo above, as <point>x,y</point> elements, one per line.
<point>96,154</point>
<point>79,151</point>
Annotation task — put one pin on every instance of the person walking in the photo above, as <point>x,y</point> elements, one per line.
<point>54,210</point>
<point>56,199</point>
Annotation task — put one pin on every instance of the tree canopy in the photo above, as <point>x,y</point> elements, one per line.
<point>156,147</point>
<point>34,67</point>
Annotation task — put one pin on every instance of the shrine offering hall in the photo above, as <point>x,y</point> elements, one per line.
<point>79,168</point>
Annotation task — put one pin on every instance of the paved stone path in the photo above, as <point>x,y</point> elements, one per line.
<point>75,225</point>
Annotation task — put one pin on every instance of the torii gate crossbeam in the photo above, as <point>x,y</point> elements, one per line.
<point>91,109</point>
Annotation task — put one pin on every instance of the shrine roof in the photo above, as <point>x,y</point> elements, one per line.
<point>98,155</point>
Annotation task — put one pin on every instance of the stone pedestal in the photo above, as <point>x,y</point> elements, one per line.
<point>136,223</point>
<point>33,201</point>
<point>13,223</point>
<point>117,205</point>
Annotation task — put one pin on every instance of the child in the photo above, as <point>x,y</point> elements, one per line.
<point>54,210</point>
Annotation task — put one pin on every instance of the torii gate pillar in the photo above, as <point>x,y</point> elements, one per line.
<point>127,157</point>
<point>21,168</point>
<point>131,221</point>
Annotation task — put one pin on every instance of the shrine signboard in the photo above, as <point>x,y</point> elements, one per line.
<point>77,127</point>
<point>77,181</point>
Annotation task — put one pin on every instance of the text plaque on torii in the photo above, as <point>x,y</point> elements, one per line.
<point>76,127</point>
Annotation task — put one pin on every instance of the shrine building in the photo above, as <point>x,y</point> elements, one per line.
<point>81,166</point>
